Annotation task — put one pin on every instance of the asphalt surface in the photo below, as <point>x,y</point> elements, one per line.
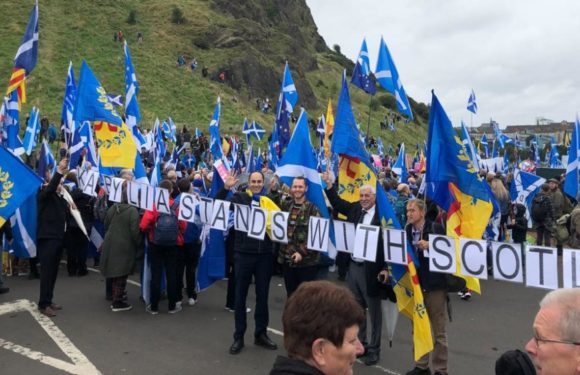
<point>87,338</point>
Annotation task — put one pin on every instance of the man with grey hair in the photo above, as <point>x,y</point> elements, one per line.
<point>366,280</point>
<point>555,345</point>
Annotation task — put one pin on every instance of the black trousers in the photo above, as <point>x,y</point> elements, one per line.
<point>543,236</point>
<point>294,276</point>
<point>76,245</point>
<point>230,272</point>
<point>187,261</point>
<point>163,257</point>
<point>49,255</point>
<point>246,266</point>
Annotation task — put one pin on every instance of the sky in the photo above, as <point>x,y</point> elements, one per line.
<point>521,57</point>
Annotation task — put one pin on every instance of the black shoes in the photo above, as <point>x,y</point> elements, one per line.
<point>419,371</point>
<point>236,346</point>
<point>372,358</point>
<point>264,341</point>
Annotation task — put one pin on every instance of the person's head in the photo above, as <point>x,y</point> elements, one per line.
<point>299,188</point>
<point>256,182</point>
<point>126,174</point>
<point>498,189</point>
<point>172,176</point>
<point>555,346</point>
<point>403,189</point>
<point>553,184</point>
<point>489,177</point>
<point>367,197</point>
<point>184,185</point>
<point>545,188</point>
<point>416,210</point>
<point>321,322</point>
<point>166,184</point>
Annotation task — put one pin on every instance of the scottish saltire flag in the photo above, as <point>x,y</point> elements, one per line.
<point>132,113</point>
<point>500,136</point>
<point>300,160</point>
<point>116,145</point>
<point>506,163</point>
<point>380,148</point>
<point>17,184</point>
<point>198,133</point>
<point>214,132</point>
<point>166,129</point>
<point>554,155</point>
<point>77,144</point>
<point>189,160</point>
<point>289,89</point>
<point>115,99</point>
<point>329,129</point>
<point>282,124</point>
<point>87,135</point>
<point>466,139</point>
<point>453,183</point>
<point>272,154</point>
<point>571,181</point>
<point>389,79</point>
<point>472,103</point>
<point>259,160</point>
<point>400,166</point>
<point>46,161</point>
<point>246,131</point>
<point>485,145</point>
<point>26,57</point>
<point>519,145</point>
<point>524,188</point>
<point>173,129</point>
<point>32,131</point>
<point>254,130</point>
<point>11,113</point>
<point>68,103</point>
<point>251,168</point>
<point>23,224</point>
<point>159,143</point>
<point>361,75</point>
<point>320,130</point>
<point>494,149</point>
<point>139,170</point>
<point>492,230</point>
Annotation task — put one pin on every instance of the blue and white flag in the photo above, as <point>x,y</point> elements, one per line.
<point>23,224</point>
<point>115,99</point>
<point>289,89</point>
<point>215,142</point>
<point>400,166</point>
<point>571,181</point>
<point>253,130</point>
<point>471,103</point>
<point>469,148</point>
<point>380,148</point>
<point>32,131</point>
<point>132,113</point>
<point>484,143</point>
<point>555,161</point>
<point>46,161</point>
<point>68,105</point>
<point>282,124</point>
<point>139,170</point>
<point>500,136</point>
<point>198,133</point>
<point>361,75</point>
<point>388,78</point>
<point>11,114</point>
<point>524,188</point>
<point>300,160</point>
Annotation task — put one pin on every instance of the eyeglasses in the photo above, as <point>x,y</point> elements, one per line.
<point>538,340</point>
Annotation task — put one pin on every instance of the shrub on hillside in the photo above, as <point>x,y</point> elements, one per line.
<point>132,18</point>
<point>177,16</point>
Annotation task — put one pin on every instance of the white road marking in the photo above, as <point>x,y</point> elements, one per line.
<point>80,364</point>
<point>274,331</point>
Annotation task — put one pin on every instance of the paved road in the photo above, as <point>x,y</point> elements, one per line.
<point>87,338</point>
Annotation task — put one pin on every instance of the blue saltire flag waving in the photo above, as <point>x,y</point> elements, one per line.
<point>361,75</point>
<point>571,182</point>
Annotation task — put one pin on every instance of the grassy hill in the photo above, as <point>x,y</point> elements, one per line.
<point>249,40</point>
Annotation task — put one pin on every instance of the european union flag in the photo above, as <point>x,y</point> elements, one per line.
<point>17,184</point>
<point>471,103</point>
<point>282,123</point>
<point>388,78</point>
<point>92,103</point>
<point>361,75</point>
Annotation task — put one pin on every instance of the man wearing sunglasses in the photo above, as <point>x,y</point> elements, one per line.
<point>555,345</point>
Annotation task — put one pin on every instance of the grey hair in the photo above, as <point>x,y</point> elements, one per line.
<point>419,203</point>
<point>568,303</point>
<point>369,187</point>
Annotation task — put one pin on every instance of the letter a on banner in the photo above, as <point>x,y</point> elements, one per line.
<point>162,200</point>
<point>220,214</point>
<point>318,234</point>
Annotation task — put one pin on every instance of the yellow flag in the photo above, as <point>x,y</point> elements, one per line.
<point>329,129</point>
<point>116,146</point>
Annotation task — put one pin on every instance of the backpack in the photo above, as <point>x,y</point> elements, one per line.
<point>100,207</point>
<point>562,228</point>
<point>166,228</point>
<point>400,207</point>
<point>539,208</point>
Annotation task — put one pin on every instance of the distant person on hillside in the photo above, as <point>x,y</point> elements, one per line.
<point>193,64</point>
<point>115,37</point>
<point>222,76</point>
<point>139,36</point>
<point>204,72</point>
<point>180,60</point>
<point>120,36</point>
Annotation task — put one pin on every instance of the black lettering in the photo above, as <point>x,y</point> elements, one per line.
<point>146,193</point>
<point>207,204</point>
<point>463,257</point>
<point>366,230</point>
<point>317,233</point>
<point>541,253</point>
<point>279,225</point>
<point>397,245</point>
<point>498,264</point>
<point>261,229</point>
<point>162,200</point>
<point>242,213</point>
<point>439,250</point>
<point>114,188</point>
<point>575,283</point>
<point>344,236</point>
<point>187,207</point>
<point>133,194</point>
<point>220,216</point>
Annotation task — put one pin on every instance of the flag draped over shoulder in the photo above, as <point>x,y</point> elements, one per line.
<point>26,57</point>
<point>354,171</point>
<point>17,183</point>
<point>116,145</point>
<point>571,181</point>
<point>453,182</point>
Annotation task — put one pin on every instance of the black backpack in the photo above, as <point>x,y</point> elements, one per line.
<point>540,208</point>
<point>166,228</point>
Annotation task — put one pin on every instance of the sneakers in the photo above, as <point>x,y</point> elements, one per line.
<point>178,304</point>
<point>464,294</point>
<point>248,310</point>
<point>177,308</point>
<point>191,301</point>
<point>151,311</point>
<point>120,306</point>
<point>419,371</point>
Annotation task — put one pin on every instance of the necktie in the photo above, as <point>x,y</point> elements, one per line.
<point>362,216</point>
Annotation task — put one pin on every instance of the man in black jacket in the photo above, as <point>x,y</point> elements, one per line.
<point>433,285</point>
<point>363,276</point>
<point>252,257</point>
<point>53,213</point>
<point>5,230</point>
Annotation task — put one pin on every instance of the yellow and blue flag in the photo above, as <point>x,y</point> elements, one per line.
<point>114,139</point>
<point>14,173</point>
<point>453,182</point>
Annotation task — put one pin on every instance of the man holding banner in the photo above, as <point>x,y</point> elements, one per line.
<point>253,256</point>
<point>366,279</point>
<point>433,284</point>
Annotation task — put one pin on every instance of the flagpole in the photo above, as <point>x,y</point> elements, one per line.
<point>369,121</point>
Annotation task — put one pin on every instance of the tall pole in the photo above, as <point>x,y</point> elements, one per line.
<point>369,120</point>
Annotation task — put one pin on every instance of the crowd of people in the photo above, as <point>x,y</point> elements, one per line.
<point>174,249</point>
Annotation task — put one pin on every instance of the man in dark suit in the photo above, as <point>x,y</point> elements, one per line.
<point>365,279</point>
